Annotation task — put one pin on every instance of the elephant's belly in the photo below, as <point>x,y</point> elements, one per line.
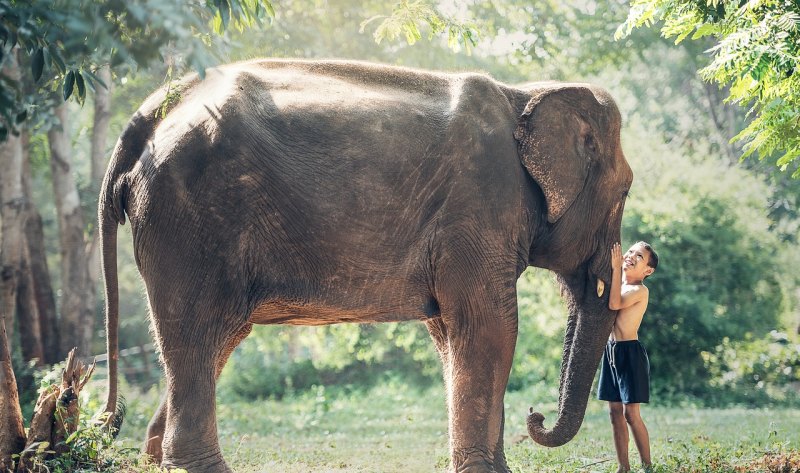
<point>293,313</point>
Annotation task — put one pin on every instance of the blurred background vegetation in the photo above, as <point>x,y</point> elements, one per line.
<point>722,325</point>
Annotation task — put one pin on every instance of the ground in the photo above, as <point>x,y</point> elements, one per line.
<point>397,428</point>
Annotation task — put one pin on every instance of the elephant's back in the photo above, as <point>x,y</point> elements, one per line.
<point>323,78</point>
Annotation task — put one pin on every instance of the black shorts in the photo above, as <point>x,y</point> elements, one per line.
<point>624,373</point>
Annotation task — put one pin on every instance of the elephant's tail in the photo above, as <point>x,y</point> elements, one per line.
<point>111,214</point>
<point>111,210</point>
<point>108,248</point>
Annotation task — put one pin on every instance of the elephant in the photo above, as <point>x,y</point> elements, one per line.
<point>320,192</point>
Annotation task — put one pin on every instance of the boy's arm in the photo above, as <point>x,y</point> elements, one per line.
<point>618,299</point>
<point>615,296</point>
<point>630,296</point>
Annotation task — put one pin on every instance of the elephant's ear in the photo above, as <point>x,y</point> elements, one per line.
<point>556,143</point>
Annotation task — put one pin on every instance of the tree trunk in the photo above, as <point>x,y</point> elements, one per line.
<point>12,433</point>
<point>12,202</point>
<point>44,298</point>
<point>78,294</point>
<point>99,153</point>
<point>30,335</point>
<point>797,292</point>
<point>30,340</point>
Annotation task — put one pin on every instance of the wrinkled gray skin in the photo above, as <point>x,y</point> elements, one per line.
<point>312,193</point>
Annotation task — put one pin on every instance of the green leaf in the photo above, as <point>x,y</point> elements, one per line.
<point>225,13</point>
<point>81,86</point>
<point>69,84</point>
<point>72,437</point>
<point>48,60</point>
<point>93,79</point>
<point>57,59</point>
<point>89,81</point>
<point>37,64</point>
<point>270,8</point>
<point>704,30</point>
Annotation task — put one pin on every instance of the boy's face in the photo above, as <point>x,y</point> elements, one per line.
<point>635,262</point>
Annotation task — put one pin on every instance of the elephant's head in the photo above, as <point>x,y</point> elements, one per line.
<point>569,141</point>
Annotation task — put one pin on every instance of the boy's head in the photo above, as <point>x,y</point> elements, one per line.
<point>640,261</point>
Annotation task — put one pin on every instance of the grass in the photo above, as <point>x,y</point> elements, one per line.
<point>396,428</point>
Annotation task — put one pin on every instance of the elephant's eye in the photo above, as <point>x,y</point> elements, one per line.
<point>590,143</point>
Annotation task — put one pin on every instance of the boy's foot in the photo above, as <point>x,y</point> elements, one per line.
<point>647,468</point>
<point>622,469</point>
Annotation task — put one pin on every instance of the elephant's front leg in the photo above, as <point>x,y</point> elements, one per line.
<point>481,349</point>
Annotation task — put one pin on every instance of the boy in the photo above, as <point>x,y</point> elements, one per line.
<point>625,369</point>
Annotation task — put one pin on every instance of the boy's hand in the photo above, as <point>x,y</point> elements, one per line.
<point>616,257</point>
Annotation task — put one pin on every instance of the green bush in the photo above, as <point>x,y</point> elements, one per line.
<point>278,361</point>
<point>252,375</point>
<point>542,321</point>
<point>717,278</point>
<point>756,371</point>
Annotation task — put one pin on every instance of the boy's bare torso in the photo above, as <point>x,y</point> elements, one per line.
<point>626,325</point>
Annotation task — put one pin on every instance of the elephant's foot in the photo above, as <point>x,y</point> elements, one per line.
<point>500,465</point>
<point>474,460</point>
<point>152,449</point>
<point>206,463</point>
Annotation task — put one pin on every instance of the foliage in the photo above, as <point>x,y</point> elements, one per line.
<point>277,361</point>
<point>404,20</point>
<point>252,374</point>
<point>757,56</point>
<point>65,42</point>
<point>716,278</point>
<point>542,320</point>
<point>756,370</point>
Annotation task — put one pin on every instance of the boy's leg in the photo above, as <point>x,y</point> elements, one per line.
<point>640,435</point>
<point>620,428</point>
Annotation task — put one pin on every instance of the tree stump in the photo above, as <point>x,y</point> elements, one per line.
<point>55,417</point>
<point>41,431</point>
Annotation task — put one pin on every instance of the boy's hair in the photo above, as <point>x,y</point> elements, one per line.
<point>652,261</point>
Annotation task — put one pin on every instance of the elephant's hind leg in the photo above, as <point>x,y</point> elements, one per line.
<point>193,346</point>
<point>155,429</point>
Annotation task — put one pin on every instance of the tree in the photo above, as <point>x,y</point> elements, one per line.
<point>78,300</point>
<point>12,435</point>
<point>28,318</point>
<point>756,57</point>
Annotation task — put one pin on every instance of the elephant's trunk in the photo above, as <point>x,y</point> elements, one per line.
<point>588,327</point>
